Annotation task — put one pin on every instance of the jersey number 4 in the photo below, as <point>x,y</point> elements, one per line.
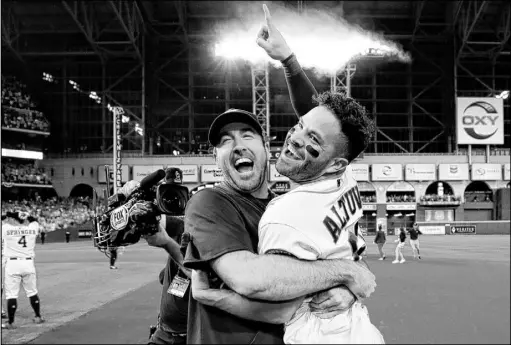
<point>23,241</point>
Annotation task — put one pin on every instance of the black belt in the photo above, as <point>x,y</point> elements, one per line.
<point>20,258</point>
<point>174,334</point>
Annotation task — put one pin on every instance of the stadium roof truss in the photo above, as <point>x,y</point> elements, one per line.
<point>148,57</point>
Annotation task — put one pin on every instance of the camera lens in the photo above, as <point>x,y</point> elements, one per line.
<point>172,202</point>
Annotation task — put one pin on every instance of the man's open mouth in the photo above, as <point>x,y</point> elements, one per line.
<point>291,152</point>
<point>243,165</point>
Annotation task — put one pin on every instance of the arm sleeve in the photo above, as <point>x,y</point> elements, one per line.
<point>216,228</point>
<point>281,238</point>
<point>300,87</point>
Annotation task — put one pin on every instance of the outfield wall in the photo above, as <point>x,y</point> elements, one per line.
<point>496,227</point>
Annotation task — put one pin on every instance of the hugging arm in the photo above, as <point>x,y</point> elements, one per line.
<point>241,306</point>
<point>220,242</point>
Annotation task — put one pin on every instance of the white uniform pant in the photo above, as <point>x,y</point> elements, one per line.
<point>20,272</point>
<point>350,327</point>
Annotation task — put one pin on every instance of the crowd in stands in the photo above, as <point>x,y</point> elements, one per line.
<point>24,173</point>
<point>437,198</point>
<point>18,109</point>
<point>55,213</point>
<point>479,197</point>
<point>400,198</point>
<point>368,198</point>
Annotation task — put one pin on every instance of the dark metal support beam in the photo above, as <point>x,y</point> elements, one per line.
<point>87,32</point>
<point>478,8</point>
<point>429,142</point>
<point>130,33</point>
<point>392,140</point>
<point>418,12</point>
<point>10,32</point>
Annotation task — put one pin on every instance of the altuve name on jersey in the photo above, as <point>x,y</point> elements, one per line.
<point>347,205</point>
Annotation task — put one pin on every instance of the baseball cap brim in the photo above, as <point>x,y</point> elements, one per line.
<point>230,116</point>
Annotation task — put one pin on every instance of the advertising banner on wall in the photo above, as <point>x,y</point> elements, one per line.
<point>211,173</point>
<point>102,175</point>
<point>274,174</point>
<point>439,215</point>
<point>141,171</point>
<point>387,172</point>
<point>486,172</point>
<point>507,174</point>
<point>463,229</point>
<point>480,120</point>
<point>190,173</point>
<point>432,229</point>
<point>420,172</point>
<point>453,172</point>
<point>360,171</point>
<point>368,207</point>
<point>401,207</point>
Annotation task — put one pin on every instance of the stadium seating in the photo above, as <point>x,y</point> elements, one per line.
<point>18,109</point>
<point>55,213</point>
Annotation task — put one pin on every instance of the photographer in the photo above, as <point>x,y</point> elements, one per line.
<point>172,318</point>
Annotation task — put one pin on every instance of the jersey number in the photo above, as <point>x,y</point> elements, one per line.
<point>23,241</point>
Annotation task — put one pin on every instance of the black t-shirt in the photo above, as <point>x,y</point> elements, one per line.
<point>173,309</point>
<point>221,220</point>
<point>414,234</point>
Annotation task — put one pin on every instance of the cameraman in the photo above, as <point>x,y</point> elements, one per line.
<point>172,319</point>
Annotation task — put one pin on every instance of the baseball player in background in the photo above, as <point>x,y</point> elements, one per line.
<point>399,248</point>
<point>19,233</point>
<point>414,240</point>
<point>318,218</point>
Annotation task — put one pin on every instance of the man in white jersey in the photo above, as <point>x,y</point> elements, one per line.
<point>318,218</point>
<point>19,233</point>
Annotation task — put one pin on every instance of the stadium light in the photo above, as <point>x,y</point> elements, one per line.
<point>139,130</point>
<point>319,39</point>
<point>49,78</point>
<point>503,94</point>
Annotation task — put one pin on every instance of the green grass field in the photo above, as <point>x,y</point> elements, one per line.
<point>458,293</point>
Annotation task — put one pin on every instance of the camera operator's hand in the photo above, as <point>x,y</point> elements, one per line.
<point>144,217</point>
<point>160,239</point>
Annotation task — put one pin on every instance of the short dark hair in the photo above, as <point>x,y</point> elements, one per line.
<point>355,123</point>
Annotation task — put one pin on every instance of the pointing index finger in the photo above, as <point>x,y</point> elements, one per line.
<point>267,15</point>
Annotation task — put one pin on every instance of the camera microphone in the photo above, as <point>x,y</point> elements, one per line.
<point>152,179</point>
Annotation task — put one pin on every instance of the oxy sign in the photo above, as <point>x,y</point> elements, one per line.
<point>480,121</point>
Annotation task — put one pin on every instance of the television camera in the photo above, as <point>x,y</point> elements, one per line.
<point>135,209</point>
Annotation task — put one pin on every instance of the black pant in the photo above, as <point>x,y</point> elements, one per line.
<point>68,236</point>
<point>113,257</point>
<point>43,235</point>
<point>160,337</point>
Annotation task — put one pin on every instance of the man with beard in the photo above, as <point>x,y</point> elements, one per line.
<point>315,157</point>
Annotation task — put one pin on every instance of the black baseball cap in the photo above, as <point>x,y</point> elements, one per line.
<point>230,116</point>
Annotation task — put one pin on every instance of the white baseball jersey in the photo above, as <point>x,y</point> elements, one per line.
<point>316,221</point>
<point>19,239</point>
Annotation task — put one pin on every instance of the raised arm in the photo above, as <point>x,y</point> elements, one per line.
<point>300,87</point>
